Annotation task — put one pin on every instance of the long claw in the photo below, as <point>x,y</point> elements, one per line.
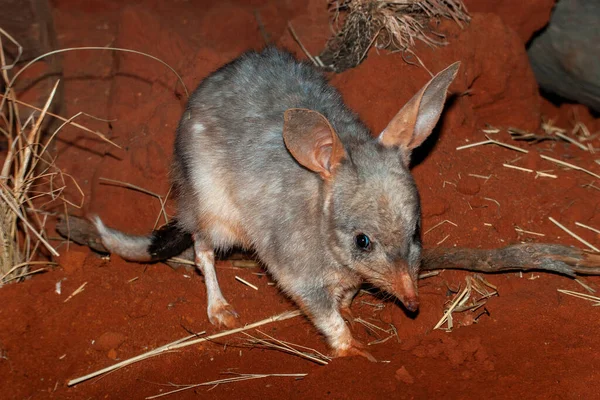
<point>356,348</point>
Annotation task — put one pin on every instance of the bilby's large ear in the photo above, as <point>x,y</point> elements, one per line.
<point>416,120</point>
<point>312,141</point>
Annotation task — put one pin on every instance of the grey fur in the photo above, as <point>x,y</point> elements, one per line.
<point>130,247</point>
<point>237,184</point>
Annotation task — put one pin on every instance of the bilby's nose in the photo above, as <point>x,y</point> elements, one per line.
<point>406,291</point>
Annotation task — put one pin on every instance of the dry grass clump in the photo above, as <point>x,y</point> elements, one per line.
<point>29,179</point>
<point>393,25</point>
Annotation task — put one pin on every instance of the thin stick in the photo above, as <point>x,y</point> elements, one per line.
<point>19,51</point>
<point>566,164</point>
<point>518,168</point>
<point>528,232</point>
<point>571,140</point>
<point>178,260</point>
<point>12,81</point>
<point>585,286</point>
<point>583,296</point>
<point>23,264</point>
<point>25,274</point>
<point>544,175</point>
<point>69,120</point>
<point>244,263</point>
<point>587,227</point>
<point>297,345</point>
<point>463,295</point>
<point>76,292</point>
<point>428,274</point>
<point>245,282</point>
<point>443,240</point>
<point>293,32</point>
<point>439,224</point>
<point>480,176</point>
<point>139,189</point>
<point>130,186</point>
<point>241,377</point>
<point>287,348</point>
<point>184,342</point>
<point>573,234</point>
<point>491,141</point>
<point>31,228</point>
<point>371,326</point>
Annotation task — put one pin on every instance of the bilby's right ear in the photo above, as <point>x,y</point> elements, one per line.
<point>312,141</point>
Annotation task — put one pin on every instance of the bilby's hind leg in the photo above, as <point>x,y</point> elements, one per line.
<point>220,313</point>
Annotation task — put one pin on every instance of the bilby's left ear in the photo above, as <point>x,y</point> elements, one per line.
<point>416,120</point>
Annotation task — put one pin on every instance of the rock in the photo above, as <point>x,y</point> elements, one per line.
<point>468,185</point>
<point>564,57</point>
<point>402,375</point>
<point>109,340</point>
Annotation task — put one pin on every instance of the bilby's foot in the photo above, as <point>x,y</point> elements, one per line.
<point>355,348</point>
<point>223,315</point>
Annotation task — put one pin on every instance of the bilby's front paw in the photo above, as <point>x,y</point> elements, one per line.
<point>223,315</point>
<point>354,348</point>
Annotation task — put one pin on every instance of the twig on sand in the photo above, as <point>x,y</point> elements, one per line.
<point>238,378</point>
<point>583,296</point>
<point>492,141</point>
<point>569,165</point>
<point>304,49</point>
<point>245,282</point>
<point>142,190</point>
<point>288,347</point>
<point>475,283</point>
<point>184,342</point>
<point>564,228</point>
<point>76,292</point>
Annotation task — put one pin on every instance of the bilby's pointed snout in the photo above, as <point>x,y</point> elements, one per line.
<point>405,289</point>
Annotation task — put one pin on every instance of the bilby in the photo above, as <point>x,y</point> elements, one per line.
<point>268,157</point>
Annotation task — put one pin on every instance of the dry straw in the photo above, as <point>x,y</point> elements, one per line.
<point>184,342</point>
<point>28,178</point>
<point>30,181</point>
<point>474,296</point>
<point>357,25</point>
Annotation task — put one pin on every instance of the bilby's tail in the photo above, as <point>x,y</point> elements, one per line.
<point>167,241</point>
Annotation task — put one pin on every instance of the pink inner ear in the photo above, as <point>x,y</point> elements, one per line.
<point>323,156</point>
<point>312,141</point>
<point>416,120</point>
<point>399,131</point>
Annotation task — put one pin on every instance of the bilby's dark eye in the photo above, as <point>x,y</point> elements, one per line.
<point>363,242</point>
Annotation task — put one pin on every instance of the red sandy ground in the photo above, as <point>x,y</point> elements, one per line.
<point>535,344</point>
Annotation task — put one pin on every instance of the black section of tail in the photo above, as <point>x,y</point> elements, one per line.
<point>169,241</point>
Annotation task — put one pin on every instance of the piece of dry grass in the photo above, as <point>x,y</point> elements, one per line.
<point>26,176</point>
<point>269,342</point>
<point>472,297</point>
<point>573,235</point>
<point>392,25</point>
<point>29,177</point>
<point>239,377</point>
<point>183,342</point>
<point>584,296</point>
